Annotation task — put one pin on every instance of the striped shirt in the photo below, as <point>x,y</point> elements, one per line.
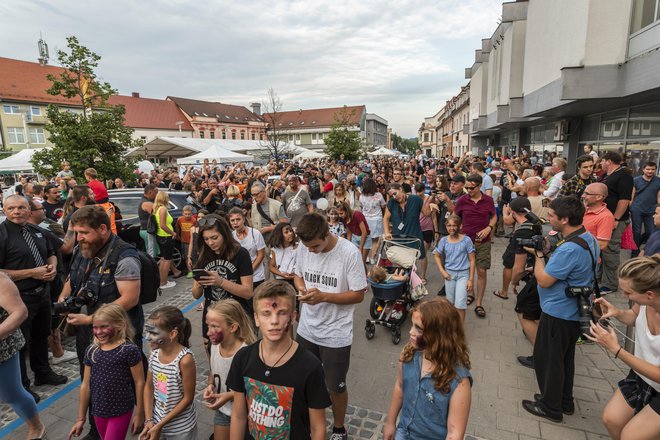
<point>168,392</point>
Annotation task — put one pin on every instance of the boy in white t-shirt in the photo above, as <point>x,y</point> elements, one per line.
<point>330,279</point>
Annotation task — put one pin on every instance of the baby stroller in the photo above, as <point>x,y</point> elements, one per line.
<point>392,300</point>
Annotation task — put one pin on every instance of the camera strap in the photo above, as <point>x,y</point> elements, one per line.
<point>583,244</point>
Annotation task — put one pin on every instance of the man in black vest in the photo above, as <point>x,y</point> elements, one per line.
<point>30,262</point>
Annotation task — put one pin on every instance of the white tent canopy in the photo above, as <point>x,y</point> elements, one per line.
<point>309,154</point>
<point>19,161</point>
<point>219,154</point>
<point>382,151</point>
<point>177,147</point>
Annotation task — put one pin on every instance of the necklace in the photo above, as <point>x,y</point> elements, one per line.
<point>263,358</point>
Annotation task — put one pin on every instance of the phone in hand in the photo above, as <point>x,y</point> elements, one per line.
<point>198,273</point>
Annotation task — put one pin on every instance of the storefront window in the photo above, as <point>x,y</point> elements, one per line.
<point>640,153</point>
<point>613,125</point>
<point>644,13</point>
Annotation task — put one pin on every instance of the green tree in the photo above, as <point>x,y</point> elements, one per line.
<point>95,135</point>
<point>408,146</point>
<point>341,140</point>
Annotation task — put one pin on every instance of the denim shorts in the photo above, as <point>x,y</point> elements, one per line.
<point>456,288</point>
<point>355,239</point>
<point>221,419</point>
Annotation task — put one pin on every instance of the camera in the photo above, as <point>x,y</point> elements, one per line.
<point>536,242</point>
<point>85,297</point>
<point>583,295</point>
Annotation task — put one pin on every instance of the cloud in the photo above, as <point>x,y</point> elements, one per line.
<point>405,57</point>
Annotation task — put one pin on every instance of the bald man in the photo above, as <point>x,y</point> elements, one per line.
<point>538,201</point>
<point>598,220</point>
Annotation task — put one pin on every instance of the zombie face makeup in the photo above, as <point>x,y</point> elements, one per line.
<point>417,331</point>
<point>154,334</point>
<point>274,317</point>
<point>103,331</point>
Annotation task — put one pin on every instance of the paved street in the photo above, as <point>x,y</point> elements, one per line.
<point>500,383</point>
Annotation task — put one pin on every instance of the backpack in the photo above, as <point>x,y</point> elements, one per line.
<point>314,188</point>
<point>150,277</point>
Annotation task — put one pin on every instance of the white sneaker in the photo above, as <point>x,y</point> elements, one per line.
<point>66,357</point>
<point>168,285</point>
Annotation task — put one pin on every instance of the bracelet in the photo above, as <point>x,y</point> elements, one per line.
<point>148,421</point>
<point>616,356</point>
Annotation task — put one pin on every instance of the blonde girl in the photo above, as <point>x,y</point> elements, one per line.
<point>165,236</point>
<point>229,330</point>
<point>169,391</point>
<point>433,388</point>
<point>112,362</point>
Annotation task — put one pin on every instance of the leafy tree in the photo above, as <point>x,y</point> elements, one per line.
<point>276,144</point>
<point>408,146</point>
<point>342,140</point>
<point>95,135</point>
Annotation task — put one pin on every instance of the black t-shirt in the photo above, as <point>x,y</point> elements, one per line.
<point>278,404</point>
<point>233,270</point>
<point>16,255</point>
<point>215,201</point>
<point>54,211</point>
<point>619,187</point>
<point>506,192</point>
<point>523,231</point>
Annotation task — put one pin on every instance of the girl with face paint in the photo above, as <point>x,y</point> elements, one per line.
<point>169,390</point>
<point>433,383</point>
<point>229,330</point>
<point>111,361</point>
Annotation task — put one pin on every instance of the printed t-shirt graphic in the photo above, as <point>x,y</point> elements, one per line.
<point>269,409</point>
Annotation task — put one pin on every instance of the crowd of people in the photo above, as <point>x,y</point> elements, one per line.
<point>282,253</point>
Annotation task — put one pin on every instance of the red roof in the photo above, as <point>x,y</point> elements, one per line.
<point>320,117</point>
<point>151,113</point>
<point>26,81</point>
<point>235,114</point>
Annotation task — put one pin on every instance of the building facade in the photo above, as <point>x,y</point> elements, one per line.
<point>557,75</point>
<point>446,133</point>
<point>376,131</point>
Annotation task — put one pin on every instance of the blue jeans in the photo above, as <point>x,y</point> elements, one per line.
<point>456,288</point>
<point>12,391</point>
<point>639,220</point>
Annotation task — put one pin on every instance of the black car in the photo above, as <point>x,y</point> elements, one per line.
<point>128,228</point>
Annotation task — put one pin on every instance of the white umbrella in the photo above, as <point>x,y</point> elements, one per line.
<point>144,166</point>
<point>382,151</point>
<point>310,154</point>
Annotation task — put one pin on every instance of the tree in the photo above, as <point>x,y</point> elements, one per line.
<point>342,140</point>
<point>276,140</point>
<point>408,146</point>
<point>96,136</point>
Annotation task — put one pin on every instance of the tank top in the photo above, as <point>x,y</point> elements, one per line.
<point>647,346</point>
<point>142,214</point>
<point>168,392</point>
<point>220,370</point>
<point>168,222</point>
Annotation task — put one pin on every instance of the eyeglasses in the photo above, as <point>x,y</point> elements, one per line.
<point>256,194</point>
<point>208,221</point>
<point>470,188</point>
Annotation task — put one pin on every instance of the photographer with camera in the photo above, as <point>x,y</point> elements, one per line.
<point>569,273</point>
<point>634,409</point>
<point>95,280</point>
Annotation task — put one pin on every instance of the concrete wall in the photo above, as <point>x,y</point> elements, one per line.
<point>607,32</point>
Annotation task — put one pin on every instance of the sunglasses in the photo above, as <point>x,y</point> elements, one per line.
<point>208,221</point>
<point>470,188</point>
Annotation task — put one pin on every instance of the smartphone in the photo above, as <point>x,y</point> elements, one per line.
<point>198,273</point>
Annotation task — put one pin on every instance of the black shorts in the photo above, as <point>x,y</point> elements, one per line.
<point>528,302</point>
<point>166,245</point>
<point>335,363</point>
<point>428,236</point>
<point>638,393</point>
<point>508,258</point>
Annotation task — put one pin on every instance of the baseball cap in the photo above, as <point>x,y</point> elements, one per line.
<point>458,178</point>
<point>519,204</point>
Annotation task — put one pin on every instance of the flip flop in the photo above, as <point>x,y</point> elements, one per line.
<point>480,311</point>
<point>470,299</point>
<point>498,293</point>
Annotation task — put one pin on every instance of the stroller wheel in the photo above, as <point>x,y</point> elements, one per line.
<point>396,335</point>
<point>370,330</point>
<point>375,308</point>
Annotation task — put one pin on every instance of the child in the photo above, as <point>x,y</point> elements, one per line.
<point>184,225</point>
<point>433,383</point>
<point>193,252</point>
<point>458,267</point>
<point>334,223</point>
<point>169,391</point>
<point>229,331</point>
<point>283,243</point>
<point>277,383</point>
<point>112,362</point>
<point>380,275</point>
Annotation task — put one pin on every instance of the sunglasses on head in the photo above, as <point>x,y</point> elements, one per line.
<point>208,221</point>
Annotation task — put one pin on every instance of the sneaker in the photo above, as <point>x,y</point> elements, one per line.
<point>339,435</point>
<point>526,361</point>
<point>66,357</point>
<point>50,378</point>
<point>168,285</point>
<point>189,275</point>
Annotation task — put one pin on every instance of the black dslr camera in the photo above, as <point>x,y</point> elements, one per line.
<point>583,295</point>
<point>85,297</point>
<point>537,241</point>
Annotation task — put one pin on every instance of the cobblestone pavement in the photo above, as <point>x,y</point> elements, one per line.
<point>500,383</point>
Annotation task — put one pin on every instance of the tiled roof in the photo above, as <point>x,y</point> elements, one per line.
<point>320,117</point>
<point>151,113</point>
<point>26,81</point>
<point>235,114</point>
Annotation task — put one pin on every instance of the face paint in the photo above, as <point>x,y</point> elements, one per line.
<point>419,342</point>
<point>105,333</point>
<point>216,338</point>
<point>154,335</point>
<point>287,325</point>
<point>274,305</point>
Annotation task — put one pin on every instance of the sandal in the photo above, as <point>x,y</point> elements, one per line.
<point>424,281</point>
<point>498,293</point>
<point>470,299</point>
<point>480,311</point>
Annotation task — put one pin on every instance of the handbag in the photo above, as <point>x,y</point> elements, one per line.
<point>627,240</point>
<point>152,225</point>
<point>418,289</point>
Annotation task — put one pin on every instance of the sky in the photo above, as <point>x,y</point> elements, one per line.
<point>402,58</point>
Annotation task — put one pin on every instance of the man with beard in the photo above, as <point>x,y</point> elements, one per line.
<point>90,276</point>
<point>53,203</point>
<point>30,261</point>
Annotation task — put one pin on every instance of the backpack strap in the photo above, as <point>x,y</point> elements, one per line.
<point>583,244</point>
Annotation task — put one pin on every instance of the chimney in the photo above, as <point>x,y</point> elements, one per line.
<point>256,108</point>
<point>135,94</point>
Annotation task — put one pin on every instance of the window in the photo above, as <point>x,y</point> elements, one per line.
<point>16,135</point>
<point>261,136</point>
<point>644,13</point>
<point>212,134</point>
<point>254,136</point>
<point>233,135</point>
<point>10,109</point>
<point>297,137</point>
<point>242,135</point>
<point>37,136</point>
<point>36,111</point>
<point>426,137</point>
<point>224,134</point>
<point>313,136</point>
<point>201,134</point>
